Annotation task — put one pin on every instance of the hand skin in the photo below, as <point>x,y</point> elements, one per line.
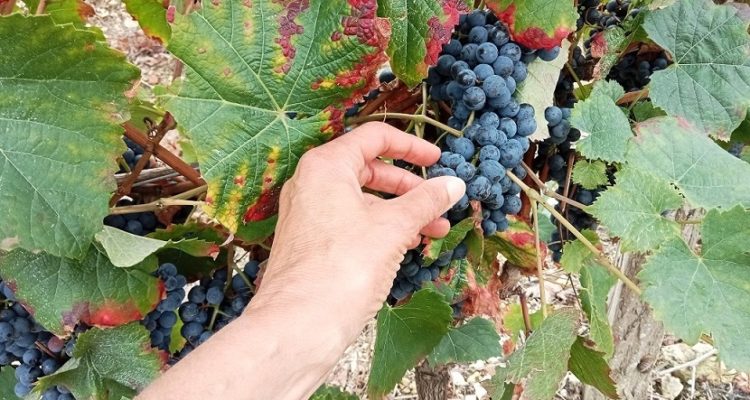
<point>334,258</point>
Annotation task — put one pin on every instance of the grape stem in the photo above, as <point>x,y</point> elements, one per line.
<point>539,267</point>
<point>177,200</point>
<point>600,257</point>
<point>408,117</point>
<point>550,193</point>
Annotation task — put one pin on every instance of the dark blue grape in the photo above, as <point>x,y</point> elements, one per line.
<point>548,54</point>
<point>469,54</point>
<point>464,147</point>
<point>457,67</point>
<point>486,53</point>
<point>489,152</point>
<point>511,84</point>
<point>503,66</point>
<point>453,48</point>
<point>465,171</point>
<point>512,205</point>
<point>493,86</point>
<point>511,153</point>
<point>474,98</point>
<point>479,188</point>
<point>490,120</point>
<point>553,115</point>
<point>511,110</point>
<point>512,51</point>
<point>466,78</point>
<point>444,64</point>
<point>492,170</point>
<point>508,125</point>
<point>483,71</point>
<point>478,35</point>
<point>519,72</point>
<point>489,227</point>
<point>450,159</point>
<point>476,18</point>
<point>215,295</point>
<point>526,127</point>
<point>487,136</point>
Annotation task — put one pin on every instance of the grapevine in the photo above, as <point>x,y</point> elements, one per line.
<point>586,132</point>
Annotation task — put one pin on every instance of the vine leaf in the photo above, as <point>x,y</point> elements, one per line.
<point>708,291</point>
<point>537,23</point>
<point>590,367</point>
<point>419,28</point>
<point>513,320</point>
<point>610,89</point>
<point>475,340</point>
<point>710,78</point>
<point>595,285</point>
<point>576,255</point>
<point>60,292</point>
<point>405,335</point>
<point>673,150</point>
<point>151,16</point>
<point>534,90</point>
<point>264,82</point>
<point>108,364</point>
<point>607,46</point>
<point>7,381</point>
<point>193,268</point>
<point>517,243</point>
<point>63,12</point>
<point>590,174</point>
<point>644,110</point>
<point>606,127</point>
<point>56,174</point>
<point>543,361</point>
<point>125,249</point>
<point>435,247</point>
<point>326,392</point>
<point>634,209</point>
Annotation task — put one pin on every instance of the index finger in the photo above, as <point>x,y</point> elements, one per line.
<point>376,139</point>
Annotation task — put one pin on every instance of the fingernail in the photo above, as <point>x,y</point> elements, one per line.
<point>456,188</point>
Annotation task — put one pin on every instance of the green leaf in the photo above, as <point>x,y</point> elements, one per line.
<point>498,388</point>
<point>435,247</point>
<point>704,173</point>
<point>596,282</point>
<point>706,292</point>
<point>55,172</point>
<point>475,340</point>
<point>644,110</point>
<point>546,227</point>
<point>610,89</point>
<point>633,209</point>
<point>74,12</point>
<point>513,320</point>
<point>606,127</point>
<point>264,82</point>
<point>590,174</point>
<point>591,368</point>
<point>61,292</point>
<point>7,382</point>
<point>151,16</point>
<point>535,89</point>
<point>607,46</point>
<point>405,335</point>
<point>193,268</point>
<point>125,249</point>
<point>709,82</point>
<point>108,364</point>
<point>419,28</point>
<point>176,340</point>
<point>326,392</point>
<point>537,23</point>
<point>576,255</point>
<point>543,361</point>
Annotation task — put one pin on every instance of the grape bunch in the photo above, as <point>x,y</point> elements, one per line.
<point>614,12</point>
<point>478,72</point>
<point>161,320</point>
<point>28,348</point>
<point>633,72</point>
<point>132,155</point>
<point>413,272</point>
<point>213,303</point>
<point>139,224</point>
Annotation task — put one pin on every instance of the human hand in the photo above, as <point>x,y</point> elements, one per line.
<point>337,248</point>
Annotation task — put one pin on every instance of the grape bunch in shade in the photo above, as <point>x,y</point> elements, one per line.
<point>211,305</point>
<point>29,349</point>
<point>478,73</point>
<point>413,273</point>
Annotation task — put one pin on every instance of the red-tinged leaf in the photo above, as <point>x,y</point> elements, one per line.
<point>151,16</point>
<point>419,29</point>
<point>537,24</point>
<point>74,12</point>
<point>108,364</point>
<point>517,244</point>
<point>61,292</point>
<point>607,46</point>
<point>264,82</point>
<point>480,298</point>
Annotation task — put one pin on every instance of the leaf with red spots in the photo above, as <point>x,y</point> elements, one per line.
<point>74,12</point>
<point>108,364</point>
<point>60,292</point>
<point>264,82</point>
<point>419,29</point>
<point>518,245</point>
<point>537,24</point>
<point>151,16</point>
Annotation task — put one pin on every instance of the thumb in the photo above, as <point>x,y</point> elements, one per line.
<point>427,201</point>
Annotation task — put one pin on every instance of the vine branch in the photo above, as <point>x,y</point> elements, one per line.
<point>550,193</point>
<point>539,272</point>
<point>419,119</point>
<point>601,258</point>
<point>177,200</point>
